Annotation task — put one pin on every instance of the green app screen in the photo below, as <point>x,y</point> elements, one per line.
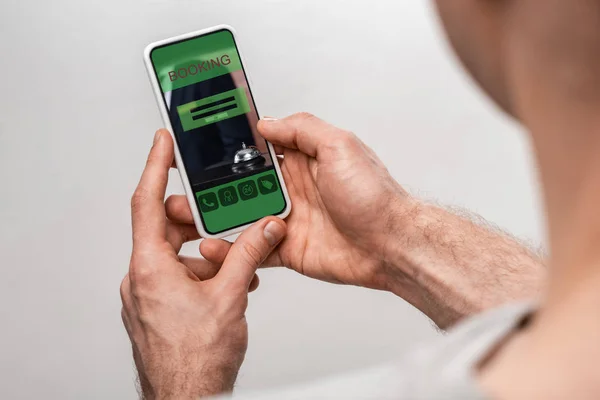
<point>214,119</point>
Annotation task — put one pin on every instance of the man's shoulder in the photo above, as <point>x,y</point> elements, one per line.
<point>446,365</point>
<point>441,369</point>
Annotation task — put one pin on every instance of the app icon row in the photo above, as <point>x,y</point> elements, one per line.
<point>246,190</point>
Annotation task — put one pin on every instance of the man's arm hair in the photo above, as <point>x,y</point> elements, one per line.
<point>451,264</point>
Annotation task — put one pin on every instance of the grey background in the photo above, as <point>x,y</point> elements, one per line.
<point>77,117</point>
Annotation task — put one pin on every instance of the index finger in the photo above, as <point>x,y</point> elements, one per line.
<point>147,207</point>
<point>302,131</point>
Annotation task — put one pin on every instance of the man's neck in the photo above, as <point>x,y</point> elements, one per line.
<point>568,152</point>
<point>566,329</point>
<point>552,72</point>
<point>563,336</point>
<point>556,94</point>
<point>557,97</point>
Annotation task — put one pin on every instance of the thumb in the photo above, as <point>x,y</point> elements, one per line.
<point>249,251</point>
<point>302,131</point>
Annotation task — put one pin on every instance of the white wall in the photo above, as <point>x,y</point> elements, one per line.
<point>76,121</point>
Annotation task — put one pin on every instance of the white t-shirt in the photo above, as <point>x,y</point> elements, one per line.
<point>443,369</point>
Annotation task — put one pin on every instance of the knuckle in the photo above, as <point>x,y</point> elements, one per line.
<point>175,206</point>
<point>124,288</point>
<point>142,274</point>
<point>340,139</point>
<point>171,202</point>
<point>139,197</point>
<point>305,116</point>
<point>252,254</point>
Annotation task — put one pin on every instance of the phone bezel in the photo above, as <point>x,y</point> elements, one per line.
<point>190,195</point>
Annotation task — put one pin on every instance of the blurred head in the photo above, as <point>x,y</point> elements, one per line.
<point>526,52</point>
<point>474,29</point>
<point>540,61</point>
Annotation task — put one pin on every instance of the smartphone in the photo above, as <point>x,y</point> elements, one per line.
<point>230,173</point>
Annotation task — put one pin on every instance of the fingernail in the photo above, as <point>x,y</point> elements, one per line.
<point>274,233</point>
<point>269,119</point>
<point>157,136</point>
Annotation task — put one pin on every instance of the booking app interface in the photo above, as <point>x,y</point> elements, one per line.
<point>214,119</point>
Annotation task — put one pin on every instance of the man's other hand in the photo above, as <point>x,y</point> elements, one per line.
<point>186,318</point>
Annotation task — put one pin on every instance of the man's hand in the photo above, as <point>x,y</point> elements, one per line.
<point>351,223</point>
<point>344,204</point>
<point>185,318</point>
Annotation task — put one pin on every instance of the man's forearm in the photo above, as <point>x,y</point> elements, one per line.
<point>451,267</point>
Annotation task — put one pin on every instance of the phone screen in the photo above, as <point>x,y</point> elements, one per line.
<point>214,119</point>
